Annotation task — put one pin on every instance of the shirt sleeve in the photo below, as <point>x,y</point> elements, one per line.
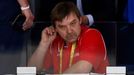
<point>90,19</point>
<point>92,48</point>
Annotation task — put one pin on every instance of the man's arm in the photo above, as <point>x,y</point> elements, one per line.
<point>26,11</point>
<point>23,3</point>
<point>80,67</point>
<point>37,59</point>
<point>38,56</point>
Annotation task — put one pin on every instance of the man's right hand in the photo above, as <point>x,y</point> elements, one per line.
<point>48,35</point>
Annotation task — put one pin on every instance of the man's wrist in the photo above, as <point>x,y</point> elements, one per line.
<point>25,7</point>
<point>43,43</point>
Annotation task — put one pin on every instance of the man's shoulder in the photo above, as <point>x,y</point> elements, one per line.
<point>90,35</point>
<point>89,31</point>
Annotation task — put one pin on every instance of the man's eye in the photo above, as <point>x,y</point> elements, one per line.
<point>73,23</point>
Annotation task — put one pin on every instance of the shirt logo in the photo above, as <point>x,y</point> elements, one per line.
<point>76,54</point>
<point>58,54</point>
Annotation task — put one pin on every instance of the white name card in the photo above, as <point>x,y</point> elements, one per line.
<point>116,70</point>
<point>26,70</point>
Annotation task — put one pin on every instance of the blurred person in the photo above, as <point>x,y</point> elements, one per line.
<point>11,41</point>
<point>125,34</point>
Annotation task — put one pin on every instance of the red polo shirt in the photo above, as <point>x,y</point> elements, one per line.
<point>90,47</point>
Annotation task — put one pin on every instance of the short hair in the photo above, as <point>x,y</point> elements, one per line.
<point>62,9</point>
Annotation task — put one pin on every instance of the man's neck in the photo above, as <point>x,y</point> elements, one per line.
<point>67,44</point>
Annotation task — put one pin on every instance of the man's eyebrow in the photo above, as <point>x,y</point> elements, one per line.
<point>73,20</point>
<point>59,25</point>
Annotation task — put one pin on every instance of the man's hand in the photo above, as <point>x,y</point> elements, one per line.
<point>48,35</point>
<point>84,20</point>
<point>29,19</point>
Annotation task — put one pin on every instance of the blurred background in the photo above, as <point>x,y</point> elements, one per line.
<point>113,18</point>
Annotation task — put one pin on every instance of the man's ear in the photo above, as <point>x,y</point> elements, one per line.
<point>80,20</point>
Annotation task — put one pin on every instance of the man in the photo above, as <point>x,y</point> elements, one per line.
<point>69,47</point>
<point>43,12</point>
<point>12,41</point>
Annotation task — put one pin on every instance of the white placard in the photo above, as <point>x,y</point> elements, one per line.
<point>116,70</point>
<point>26,70</point>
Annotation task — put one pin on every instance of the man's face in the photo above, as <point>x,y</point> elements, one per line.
<point>69,28</point>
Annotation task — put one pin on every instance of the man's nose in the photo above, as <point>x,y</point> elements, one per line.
<point>69,29</point>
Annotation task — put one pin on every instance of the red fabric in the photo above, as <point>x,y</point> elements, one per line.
<point>90,47</point>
